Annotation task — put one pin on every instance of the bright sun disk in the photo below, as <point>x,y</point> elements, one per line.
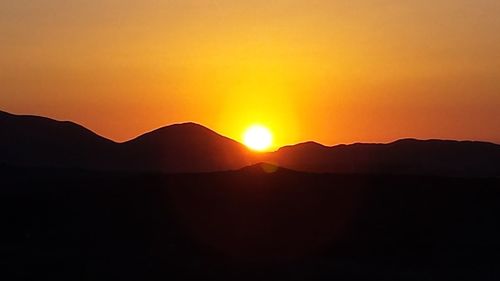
<point>258,138</point>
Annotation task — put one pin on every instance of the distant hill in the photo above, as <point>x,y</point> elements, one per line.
<point>186,147</point>
<point>39,141</point>
<point>191,148</point>
<point>406,156</point>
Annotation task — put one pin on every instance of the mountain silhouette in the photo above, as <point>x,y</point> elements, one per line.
<point>405,156</point>
<point>192,148</point>
<point>186,147</point>
<point>38,141</point>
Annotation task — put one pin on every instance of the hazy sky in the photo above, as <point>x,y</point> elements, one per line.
<point>329,71</point>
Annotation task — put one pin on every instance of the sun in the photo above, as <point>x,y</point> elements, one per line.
<point>258,138</point>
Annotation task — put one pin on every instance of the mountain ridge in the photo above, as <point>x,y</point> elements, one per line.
<point>190,147</point>
<point>194,124</point>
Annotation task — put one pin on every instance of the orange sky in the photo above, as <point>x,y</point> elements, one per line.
<point>329,71</point>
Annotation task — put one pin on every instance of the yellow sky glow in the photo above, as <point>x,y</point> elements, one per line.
<point>329,71</point>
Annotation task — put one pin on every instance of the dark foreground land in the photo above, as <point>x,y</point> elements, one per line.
<point>246,225</point>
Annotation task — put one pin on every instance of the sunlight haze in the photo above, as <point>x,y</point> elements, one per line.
<point>328,71</point>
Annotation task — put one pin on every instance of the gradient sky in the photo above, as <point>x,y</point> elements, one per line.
<point>329,71</point>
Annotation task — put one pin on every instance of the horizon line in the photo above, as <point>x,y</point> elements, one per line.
<point>274,149</point>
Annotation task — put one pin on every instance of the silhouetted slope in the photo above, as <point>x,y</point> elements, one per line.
<point>407,156</point>
<point>189,147</point>
<point>39,141</point>
<point>186,147</point>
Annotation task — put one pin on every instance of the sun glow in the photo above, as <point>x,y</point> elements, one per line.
<point>258,138</point>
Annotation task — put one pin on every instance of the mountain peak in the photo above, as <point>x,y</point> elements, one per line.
<point>303,145</point>
<point>188,131</point>
<point>264,168</point>
<point>188,124</point>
